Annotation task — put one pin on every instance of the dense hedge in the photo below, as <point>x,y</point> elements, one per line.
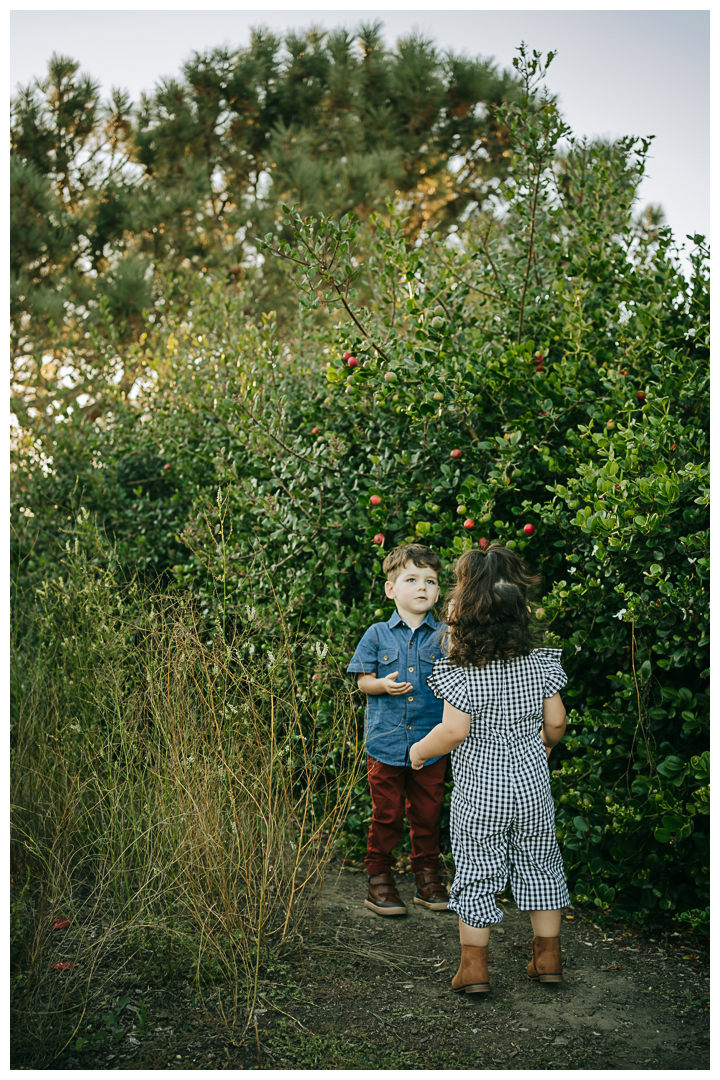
<point>561,350</point>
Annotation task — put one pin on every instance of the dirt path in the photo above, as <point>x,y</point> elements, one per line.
<point>629,1000</point>
<point>367,992</point>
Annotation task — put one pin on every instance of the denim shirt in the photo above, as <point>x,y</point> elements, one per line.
<point>393,722</point>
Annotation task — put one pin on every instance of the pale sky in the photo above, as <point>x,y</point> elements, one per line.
<point>634,72</point>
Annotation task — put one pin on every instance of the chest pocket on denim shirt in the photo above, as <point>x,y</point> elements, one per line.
<point>427,659</point>
<point>387,662</point>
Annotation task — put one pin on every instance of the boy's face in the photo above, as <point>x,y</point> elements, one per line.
<point>414,591</point>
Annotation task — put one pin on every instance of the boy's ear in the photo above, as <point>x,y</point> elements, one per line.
<point>389,590</point>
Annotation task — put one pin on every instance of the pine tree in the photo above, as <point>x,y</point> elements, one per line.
<point>102,194</point>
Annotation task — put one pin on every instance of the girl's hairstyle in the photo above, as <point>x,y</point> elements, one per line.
<point>487,610</point>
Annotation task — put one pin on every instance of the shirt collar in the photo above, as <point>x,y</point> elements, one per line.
<point>429,620</point>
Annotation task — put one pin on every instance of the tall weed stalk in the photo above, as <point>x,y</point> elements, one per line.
<point>171,794</point>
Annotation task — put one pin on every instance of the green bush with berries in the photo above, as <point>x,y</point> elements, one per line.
<point>537,375</point>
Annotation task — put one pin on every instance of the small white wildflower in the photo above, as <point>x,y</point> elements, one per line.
<point>572,570</point>
<point>691,333</point>
<point>251,612</point>
<point>619,614</point>
<point>595,547</point>
<point>271,658</point>
<point>321,649</point>
<point>578,648</point>
<point>233,828</point>
<point>624,313</point>
<point>189,760</point>
<point>75,727</point>
<point>691,560</point>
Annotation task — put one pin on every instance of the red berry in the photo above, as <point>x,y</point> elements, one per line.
<point>165,468</point>
<point>528,529</point>
<point>395,513</point>
<point>623,372</point>
<point>353,361</point>
<point>640,396</point>
<point>63,966</point>
<point>347,355</point>
<point>468,523</point>
<point>378,538</point>
<point>315,430</point>
<point>483,543</point>
<point>375,500</point>
<point>456,453</point>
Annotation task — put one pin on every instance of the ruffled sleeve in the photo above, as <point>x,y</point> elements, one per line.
<point>449,682</point>
<point>554,678</point>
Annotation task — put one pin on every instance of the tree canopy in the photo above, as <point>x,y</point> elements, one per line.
<point>105,193</point>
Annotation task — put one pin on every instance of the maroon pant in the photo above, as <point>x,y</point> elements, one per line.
<point>397,789</point>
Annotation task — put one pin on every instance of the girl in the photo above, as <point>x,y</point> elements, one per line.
<point>502,716</point>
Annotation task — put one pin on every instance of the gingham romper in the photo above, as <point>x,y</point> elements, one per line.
<point>502,818</point>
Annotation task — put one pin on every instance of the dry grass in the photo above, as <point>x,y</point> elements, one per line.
<point>176,796</point>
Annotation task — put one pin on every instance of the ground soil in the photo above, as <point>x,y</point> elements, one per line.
<point>372,992</point>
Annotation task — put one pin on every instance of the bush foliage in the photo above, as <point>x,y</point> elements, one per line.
<point>553,340</point>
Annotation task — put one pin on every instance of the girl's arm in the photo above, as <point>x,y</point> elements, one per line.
<point>443,738</point>
<point>553,726</point>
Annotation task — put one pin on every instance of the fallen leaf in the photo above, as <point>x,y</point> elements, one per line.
<point>61,924</point>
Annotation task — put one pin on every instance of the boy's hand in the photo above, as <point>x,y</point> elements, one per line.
<point>391,687</point>
<point>416,759</point>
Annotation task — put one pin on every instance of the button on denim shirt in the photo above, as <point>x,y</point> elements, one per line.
<point>393,722</point>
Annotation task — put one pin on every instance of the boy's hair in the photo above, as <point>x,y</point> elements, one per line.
<point>399,557</point>
<point>487,609</point>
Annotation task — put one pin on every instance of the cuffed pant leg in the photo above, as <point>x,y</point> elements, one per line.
<point>537,874</point>
<point>481,873</point>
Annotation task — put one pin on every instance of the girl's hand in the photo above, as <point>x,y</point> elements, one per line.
<point>416,759</point>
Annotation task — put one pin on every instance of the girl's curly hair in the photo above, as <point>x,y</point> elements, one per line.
<point>486,611</point>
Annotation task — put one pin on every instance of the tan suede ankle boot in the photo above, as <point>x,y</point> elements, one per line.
<point>472,976</point>
<point>546,963</point>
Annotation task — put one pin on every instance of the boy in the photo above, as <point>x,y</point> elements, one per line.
<point>392,662</point>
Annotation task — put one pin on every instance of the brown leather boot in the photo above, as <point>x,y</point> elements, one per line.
<point>430,891</point>
<point>472,975</point>
<point>383,897</point>
<point>546,963</point>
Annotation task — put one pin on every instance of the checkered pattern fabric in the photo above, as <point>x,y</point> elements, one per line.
<point>502,819</point>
